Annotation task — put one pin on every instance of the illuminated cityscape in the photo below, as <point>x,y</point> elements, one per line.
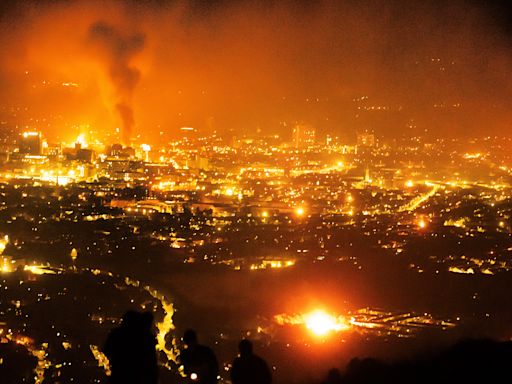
<point>311,200</point>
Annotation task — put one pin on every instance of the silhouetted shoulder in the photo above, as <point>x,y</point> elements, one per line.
<point>200,361</point>
<point>130,349</point>
<point>250,369</point>
<point>469,361</point>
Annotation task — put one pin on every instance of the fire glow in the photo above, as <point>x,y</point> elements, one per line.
<point>365,321</point>
<point>318,322</point>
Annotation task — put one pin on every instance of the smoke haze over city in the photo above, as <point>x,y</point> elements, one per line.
<point>151,67</point>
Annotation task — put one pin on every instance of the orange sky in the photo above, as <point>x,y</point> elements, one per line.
<point>235,67</point>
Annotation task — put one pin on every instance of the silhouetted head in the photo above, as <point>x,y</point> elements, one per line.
<point>245,347</point>
<point>146,321</point>
<point>131,319</point>
<point>190,337</point>
<point>334,376</point>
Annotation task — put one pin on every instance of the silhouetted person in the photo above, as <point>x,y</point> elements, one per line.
<point>148,355</point>
<point>130,349</point>
<point>199,361</point>
<point>249,368</point>
<point>333,376</point>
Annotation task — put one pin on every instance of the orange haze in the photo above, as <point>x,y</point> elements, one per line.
<point>151,67</point>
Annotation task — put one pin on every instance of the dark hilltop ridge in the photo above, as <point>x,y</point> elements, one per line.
<point>468,361</point>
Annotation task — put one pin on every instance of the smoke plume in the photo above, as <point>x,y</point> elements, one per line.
<point>118,49</point>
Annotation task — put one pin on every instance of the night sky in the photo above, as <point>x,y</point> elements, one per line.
<point>155,66</point>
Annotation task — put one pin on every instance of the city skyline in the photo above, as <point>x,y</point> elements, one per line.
<point>147,68</point>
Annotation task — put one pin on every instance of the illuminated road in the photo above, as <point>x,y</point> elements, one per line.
<point>419,200</point>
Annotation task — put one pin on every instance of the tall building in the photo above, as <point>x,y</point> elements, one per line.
<point>365,139</point>
<point>303,136</point>
<point>31,143</point>
<point>199,162</point>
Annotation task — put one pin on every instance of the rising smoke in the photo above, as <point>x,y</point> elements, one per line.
<point>117,49</point>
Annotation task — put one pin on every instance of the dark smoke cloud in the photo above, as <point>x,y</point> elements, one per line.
<point>118,49</point>
<point>126,114</point>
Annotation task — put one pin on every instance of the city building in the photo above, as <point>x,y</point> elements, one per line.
<point>365,139</point>
<point>31,143</point>
<point>303,136</point>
